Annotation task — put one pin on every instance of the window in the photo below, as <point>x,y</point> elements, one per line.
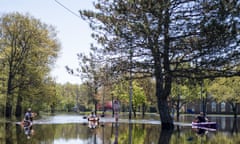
<point>214,106</point>
<point>223,107</point>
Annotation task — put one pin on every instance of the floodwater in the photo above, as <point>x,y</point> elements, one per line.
<point>74,129</point>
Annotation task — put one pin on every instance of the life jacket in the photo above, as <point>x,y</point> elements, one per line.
<point>28,116</point>
<point>26,123</point>
<point>201,119</point>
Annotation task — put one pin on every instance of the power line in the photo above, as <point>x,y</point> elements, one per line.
<point>72,12</point>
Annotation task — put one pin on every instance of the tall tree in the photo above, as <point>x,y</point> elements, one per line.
<point>159,38</point>
<point>30,47</point>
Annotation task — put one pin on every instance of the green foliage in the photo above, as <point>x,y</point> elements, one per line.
<point>226,89</point>
<point>67,96</point>
<point>139,97</point>
<point>71,95</point>
<point>28,48</point>
<point>149,87</point>
<point>186,89</point>
<point>121,91</point>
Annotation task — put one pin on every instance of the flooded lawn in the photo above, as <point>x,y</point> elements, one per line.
<point>74,129</point>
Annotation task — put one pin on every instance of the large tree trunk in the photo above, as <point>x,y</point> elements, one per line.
<point>166,119</point>
<point>164,78</point>
<point>165,136</point>
<point>163,88</point>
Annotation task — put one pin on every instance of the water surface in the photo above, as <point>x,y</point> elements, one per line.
<point>74,129</point>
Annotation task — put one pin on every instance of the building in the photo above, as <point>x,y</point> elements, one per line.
<point>212,107</point>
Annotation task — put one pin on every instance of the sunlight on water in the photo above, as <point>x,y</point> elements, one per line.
<point>60,119</point>
<point>70,141</point>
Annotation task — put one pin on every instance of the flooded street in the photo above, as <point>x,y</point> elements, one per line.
<point>74,129</point>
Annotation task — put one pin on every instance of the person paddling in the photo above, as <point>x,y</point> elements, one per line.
<point>28,118</point>
<point>28,115</point>
<point>201,118</point>
<point>27,122</point>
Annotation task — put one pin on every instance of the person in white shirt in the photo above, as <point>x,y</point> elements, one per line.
<point>116,108</point>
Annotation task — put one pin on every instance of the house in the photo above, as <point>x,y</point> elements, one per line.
<point>212,107</point>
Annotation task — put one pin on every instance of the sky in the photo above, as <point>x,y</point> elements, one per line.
<point>74,34</point>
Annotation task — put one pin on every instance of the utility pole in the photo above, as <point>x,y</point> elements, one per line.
<point>130,86</point>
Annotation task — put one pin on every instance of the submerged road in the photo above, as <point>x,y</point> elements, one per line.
<point>64,119</point>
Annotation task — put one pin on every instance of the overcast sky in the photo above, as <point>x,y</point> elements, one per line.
<point>74,34</point>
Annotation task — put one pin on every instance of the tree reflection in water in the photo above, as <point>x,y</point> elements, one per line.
<point>8,133</point>
<point>235,126</point>
<point>122,132</point>
<point>165,136</point>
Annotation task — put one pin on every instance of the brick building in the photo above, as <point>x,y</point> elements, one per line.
<point>212,107</point>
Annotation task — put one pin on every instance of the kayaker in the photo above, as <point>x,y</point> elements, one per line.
<point>201,118</point>
<point>92,117</point>
<point>93,120</point>
<point>28,115</point>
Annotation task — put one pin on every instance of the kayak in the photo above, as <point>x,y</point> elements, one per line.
<point>93,122</point>
<point>26,123</point>
<point>93,119</point>
<point>210,125</point>
<point>204,128</point>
